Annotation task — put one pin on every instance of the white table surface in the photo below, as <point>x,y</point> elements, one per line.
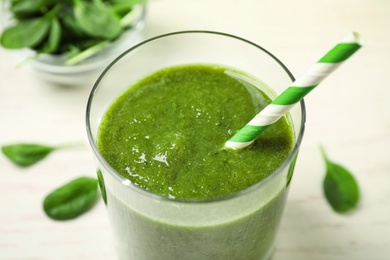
<point>349,114</point>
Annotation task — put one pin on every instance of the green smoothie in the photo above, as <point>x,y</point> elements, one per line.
<point>166,135</point>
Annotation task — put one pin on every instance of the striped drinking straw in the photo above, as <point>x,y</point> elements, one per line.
<point>293,94</point>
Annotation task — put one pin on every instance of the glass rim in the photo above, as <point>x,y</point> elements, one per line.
<point>126,182</point>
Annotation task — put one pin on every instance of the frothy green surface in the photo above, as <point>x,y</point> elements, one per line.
<point>167,132</point>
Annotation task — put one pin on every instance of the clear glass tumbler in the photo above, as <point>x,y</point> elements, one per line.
<point>147,226</point>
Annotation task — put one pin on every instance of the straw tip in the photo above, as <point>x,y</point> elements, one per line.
<point>354,37</point>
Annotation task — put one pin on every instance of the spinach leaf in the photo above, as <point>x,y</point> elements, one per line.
<point>26,154</point>
<point>72,199</point>
<point>71,27</point>
<point>340,187</point>
<point>26,7</point>
<point>96,19</point>
<point>51,45</point>
<point>26,33</point>
<point>102,185</point>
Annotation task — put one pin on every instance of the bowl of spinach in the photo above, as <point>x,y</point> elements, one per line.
<point>70,41</point>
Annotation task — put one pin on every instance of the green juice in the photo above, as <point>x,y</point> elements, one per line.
<point>166,136</point>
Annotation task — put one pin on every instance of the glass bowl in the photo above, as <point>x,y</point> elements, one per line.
<point>53,68</point>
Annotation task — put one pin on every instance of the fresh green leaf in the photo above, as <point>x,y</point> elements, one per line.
<point>54,37</point>
<point>26,33</point>
<point>291,169</point>
<point>71,27</point>
<point>340,187</point>
<point>72,199</point>
<point>29,8</point>
<point>96,19</point>
<point>26,7</point>
<point>26,154</point>
<point>102,185</point>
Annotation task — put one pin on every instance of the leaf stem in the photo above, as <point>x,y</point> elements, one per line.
<point>70,145</point>
<point>129,18</point>
<point>87,53</point>
<point>324,155</point>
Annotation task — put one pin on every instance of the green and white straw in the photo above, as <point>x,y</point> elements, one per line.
<point>293,94</point>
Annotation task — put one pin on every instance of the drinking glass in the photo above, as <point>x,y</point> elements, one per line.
<point>147,226</point>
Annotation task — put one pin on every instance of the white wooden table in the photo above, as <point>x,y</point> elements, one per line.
<point>349,114</point>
